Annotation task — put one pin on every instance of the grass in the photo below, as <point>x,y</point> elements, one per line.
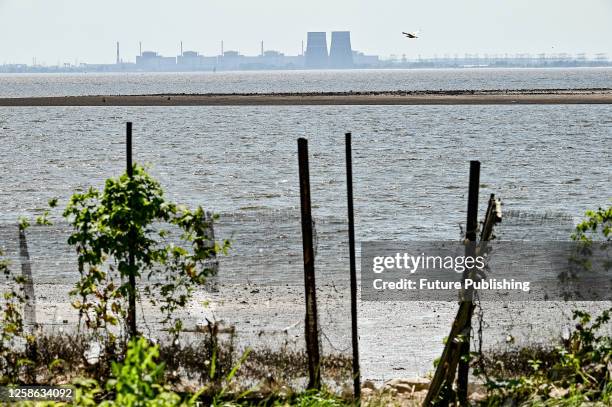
<point>61,358</point>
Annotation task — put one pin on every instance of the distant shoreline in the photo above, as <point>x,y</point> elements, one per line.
<point>97,69</point>
<point>453,97</point>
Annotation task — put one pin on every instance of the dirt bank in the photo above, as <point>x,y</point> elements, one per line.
<point>458,97</point>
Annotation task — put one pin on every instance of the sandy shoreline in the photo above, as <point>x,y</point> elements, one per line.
<point>396,338</point>
<point>460,97</point>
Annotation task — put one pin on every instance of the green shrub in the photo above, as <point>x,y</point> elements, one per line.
<point>12,333</point>
<point>580,370</point>
<point>138,380</point>
<point>122,233</point>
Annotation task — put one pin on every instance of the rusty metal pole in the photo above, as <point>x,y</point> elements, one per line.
<point>353,270</point>
<point>311,324</point>
<point>132,277</point>
<point>472,208</point>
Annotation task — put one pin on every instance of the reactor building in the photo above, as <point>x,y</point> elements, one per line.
<point>340,52</point>
<point>316,56</point>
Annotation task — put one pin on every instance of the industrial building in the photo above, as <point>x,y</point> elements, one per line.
<point>316,51</point>
<point>340,52</point>
<point>361,60</point>
<point>193,61</point>
<point>272,60</point>
<point>150,60</point>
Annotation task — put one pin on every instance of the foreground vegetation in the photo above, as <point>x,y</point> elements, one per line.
<point>577,372</point>
<point>117,246</point>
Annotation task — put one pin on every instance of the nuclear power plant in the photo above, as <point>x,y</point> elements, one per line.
<point>340,52</point>
<point>316,50</point>
<point>341,55</point>
<point>316,56</point>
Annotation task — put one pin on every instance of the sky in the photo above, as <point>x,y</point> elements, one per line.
<point>72,31</point>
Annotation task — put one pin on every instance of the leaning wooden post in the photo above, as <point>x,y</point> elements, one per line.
<point>440,390</point>
<point>470,236</point>
<point>353,270</point>
<point>29,314</point>
<point>312,331</point>
<point>131,262</point>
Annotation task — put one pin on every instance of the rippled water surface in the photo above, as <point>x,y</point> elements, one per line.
<point>411,168</point>
<point>23,85</point>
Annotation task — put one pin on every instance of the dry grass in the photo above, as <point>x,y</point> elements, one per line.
<point>60,358</point>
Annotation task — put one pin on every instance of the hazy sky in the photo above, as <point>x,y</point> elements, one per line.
<point>64,30</point>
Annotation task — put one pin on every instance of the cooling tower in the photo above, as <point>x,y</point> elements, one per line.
<point>340,53</point>
<point>316,50</point>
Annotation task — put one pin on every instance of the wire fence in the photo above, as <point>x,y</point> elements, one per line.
<point>259,289</point>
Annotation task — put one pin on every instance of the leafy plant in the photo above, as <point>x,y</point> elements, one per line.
<point>576,372</point>
<point>11,324</point>
<point>131,217</point>
<point>597,222</point>
<point>23,223</point>
<point>138,381</point>
<point>580,370</point>
<point>220,395</point>
<point>86,393</point>
<point>43,220</point>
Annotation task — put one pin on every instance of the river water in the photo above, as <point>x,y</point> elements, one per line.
<point>23,85</point>
<point>411,167</point>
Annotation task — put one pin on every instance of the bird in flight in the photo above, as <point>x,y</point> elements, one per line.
<point>411,35</point>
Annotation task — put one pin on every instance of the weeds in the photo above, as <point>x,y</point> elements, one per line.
<point>12,335</point>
